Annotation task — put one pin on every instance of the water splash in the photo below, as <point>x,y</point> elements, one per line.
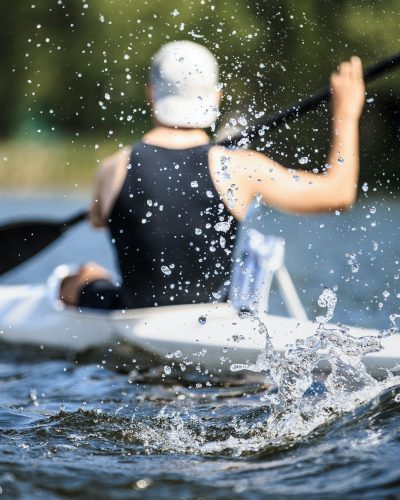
<point>300,401</point>
<point>296,407</point>
<point>327,299</point>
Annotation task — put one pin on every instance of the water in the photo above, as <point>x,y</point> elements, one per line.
<point>78,426</point>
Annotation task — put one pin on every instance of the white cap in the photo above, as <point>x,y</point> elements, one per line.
<point>184,76</point>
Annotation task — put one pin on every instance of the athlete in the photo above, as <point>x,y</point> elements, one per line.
<point>171,202</point>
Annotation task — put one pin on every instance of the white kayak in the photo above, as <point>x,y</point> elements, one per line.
<point>213,336</point>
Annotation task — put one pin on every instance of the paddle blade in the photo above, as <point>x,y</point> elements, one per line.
<point>19,241</point>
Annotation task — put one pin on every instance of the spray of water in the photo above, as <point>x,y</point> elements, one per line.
<point>303,398</point>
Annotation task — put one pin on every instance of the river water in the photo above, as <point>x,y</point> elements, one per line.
<point>77,426</point>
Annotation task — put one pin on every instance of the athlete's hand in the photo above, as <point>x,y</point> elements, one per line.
<point>348,90</point>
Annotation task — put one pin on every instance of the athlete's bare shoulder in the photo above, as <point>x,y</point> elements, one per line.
<point>238,171</point>
<point>115,162</point>
<point>108,182</point>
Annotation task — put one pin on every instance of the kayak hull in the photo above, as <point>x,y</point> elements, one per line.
<point>212,336</point>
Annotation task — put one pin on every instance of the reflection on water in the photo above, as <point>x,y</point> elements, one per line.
<point>88,429</point>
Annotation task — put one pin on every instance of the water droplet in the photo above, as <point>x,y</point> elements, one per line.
<point>33,395</point>
<point>225,160</point>
<point>327,299</point>
<point>194,184</point>
<point>303,160</point>
<point>198,231</point>
<point>364,187</point>
<point>258,199</point>
<point>202,320</point>
<point>230,199</point>
<point>166,270</point>
<point>222,226</point>
<point>242,120</point>
<point>167,370</point>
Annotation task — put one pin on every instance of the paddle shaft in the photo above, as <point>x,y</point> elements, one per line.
<point>294,111</point>
<point>79,217</point>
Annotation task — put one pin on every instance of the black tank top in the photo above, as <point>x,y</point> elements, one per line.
<point>173,235</point>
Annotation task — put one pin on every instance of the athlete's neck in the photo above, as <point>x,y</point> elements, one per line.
<point>176,138</point>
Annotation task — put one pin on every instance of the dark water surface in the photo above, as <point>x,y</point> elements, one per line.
<point>77,426</point>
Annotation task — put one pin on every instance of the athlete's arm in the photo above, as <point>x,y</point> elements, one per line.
<point>306,192</point>
<point>108,182</point>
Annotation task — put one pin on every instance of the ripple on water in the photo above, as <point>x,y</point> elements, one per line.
<point>84,427</point>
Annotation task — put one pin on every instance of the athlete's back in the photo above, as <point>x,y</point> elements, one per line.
<point>172,234</point>
<point>184,98</point>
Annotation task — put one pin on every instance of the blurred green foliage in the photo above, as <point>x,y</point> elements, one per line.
<point>73,67</point>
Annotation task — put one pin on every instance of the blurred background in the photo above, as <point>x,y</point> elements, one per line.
<point>73,75</point>
<point>72,83</point>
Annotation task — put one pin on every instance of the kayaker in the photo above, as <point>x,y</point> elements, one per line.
<point>171,202</point>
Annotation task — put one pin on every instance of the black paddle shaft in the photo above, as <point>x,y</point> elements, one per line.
<point>19,241</point>
<point>305,105</point>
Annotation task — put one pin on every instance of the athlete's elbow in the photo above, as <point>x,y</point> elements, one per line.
<point>95,218</point>
<point>346,200</point>
<point>97,222</point>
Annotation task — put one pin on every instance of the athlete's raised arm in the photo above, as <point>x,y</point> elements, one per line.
<point>297,191</point>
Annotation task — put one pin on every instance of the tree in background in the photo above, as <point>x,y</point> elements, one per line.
<point>79,66</point>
